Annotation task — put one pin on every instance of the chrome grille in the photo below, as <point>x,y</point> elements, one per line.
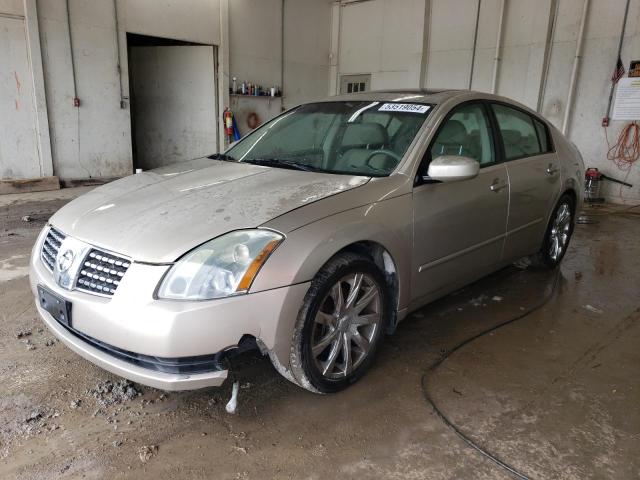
<point>101,272</point>
<point>50,247</point>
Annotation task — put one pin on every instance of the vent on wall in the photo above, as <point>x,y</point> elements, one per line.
<point>355,83</point>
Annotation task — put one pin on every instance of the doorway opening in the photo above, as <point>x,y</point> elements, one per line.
<point>173,99</point>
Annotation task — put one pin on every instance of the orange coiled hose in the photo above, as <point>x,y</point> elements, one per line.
<point>626,150</point>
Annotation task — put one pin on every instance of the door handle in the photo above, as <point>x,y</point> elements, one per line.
<point>497,185</point>
<point>551,169</point>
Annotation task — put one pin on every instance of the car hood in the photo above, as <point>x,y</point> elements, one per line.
<point>157,216</point>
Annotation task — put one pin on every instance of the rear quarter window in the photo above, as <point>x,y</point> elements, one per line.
<point>543,136</point>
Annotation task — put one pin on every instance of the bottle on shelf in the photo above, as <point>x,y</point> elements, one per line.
<point>253,89</point>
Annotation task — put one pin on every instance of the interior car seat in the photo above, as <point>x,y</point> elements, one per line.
<point>358,141</point>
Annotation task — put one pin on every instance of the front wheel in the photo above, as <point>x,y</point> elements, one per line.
<point>557,235</point>
<point>340,325</point>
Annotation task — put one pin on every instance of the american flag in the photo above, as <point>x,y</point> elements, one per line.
<point>618,72</point>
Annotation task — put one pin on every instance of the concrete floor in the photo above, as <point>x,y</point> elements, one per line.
<point>556,395</point>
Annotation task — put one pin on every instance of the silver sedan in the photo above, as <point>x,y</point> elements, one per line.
<point>310,239</point>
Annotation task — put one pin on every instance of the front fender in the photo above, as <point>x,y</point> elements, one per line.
<point>308,248</point>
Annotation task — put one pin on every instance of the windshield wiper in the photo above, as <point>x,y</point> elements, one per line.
<point>281,163</point>
<point>222,156</point>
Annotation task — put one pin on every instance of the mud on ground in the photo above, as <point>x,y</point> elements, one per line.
<point>556,394</point>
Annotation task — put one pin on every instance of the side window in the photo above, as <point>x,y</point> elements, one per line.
<point>543,136</point>
<point>519,135</point>
<point>465,133</point>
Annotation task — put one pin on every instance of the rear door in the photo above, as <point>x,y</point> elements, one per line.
<point>534,178</point>
<point>459,227</point>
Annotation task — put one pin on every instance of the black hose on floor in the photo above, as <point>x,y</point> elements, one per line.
<point>427,396</point>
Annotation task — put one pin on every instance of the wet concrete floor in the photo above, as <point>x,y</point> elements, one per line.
<point>555,395</point>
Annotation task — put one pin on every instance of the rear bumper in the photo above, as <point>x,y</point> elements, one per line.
<point>146,376</point>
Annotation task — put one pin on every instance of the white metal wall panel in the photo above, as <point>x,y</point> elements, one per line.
<point>19,156</point>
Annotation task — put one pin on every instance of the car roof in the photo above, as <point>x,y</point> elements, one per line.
<point>429,96</point>
<point>418,95</point>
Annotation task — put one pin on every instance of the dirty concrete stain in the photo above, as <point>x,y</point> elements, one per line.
<point>13,267</point>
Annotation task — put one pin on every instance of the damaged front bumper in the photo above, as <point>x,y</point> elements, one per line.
<point>152,371</point>
<point>170,345</point>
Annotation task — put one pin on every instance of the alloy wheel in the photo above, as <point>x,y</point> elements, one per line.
<point>346,325</point>
<point>560,232</point>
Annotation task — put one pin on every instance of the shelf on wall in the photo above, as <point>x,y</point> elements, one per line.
<point>272,102</point>
<point>268,97</point>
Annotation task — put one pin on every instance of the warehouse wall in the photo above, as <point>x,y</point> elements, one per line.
<point>94,140</point>
<point>17,109</point>
<point>255,40</point>
<point>255,36</point>
<point>306,50</point>
<point>402,53</point>
<point>384,38</point>
<point>601,43</point>
<point>25,147</point>
<point>402,43</point>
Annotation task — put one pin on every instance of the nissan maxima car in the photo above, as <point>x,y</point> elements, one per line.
<point>311,238</point>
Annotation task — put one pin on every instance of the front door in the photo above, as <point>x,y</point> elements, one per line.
<point>534,178</point>
<point>459,227</point>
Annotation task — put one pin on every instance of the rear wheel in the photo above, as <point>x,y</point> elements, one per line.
<point>340,324</point>
<point>558,234</point>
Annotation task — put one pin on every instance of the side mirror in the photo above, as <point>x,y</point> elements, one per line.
<point>451,168</point>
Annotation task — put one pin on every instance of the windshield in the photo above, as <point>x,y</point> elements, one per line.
<point>355,138</point>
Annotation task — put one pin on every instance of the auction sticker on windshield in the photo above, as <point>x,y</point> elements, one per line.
<point>404,107</point>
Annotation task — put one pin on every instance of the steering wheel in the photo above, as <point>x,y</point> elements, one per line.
<point>382,151</point>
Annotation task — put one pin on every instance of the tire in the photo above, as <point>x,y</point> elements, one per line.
<point>557,235</point>
<point>331,318</point>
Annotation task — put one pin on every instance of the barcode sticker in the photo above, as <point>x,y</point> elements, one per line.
<point>404,107</point>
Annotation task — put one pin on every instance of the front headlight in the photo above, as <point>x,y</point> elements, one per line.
<point>221,267</point>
